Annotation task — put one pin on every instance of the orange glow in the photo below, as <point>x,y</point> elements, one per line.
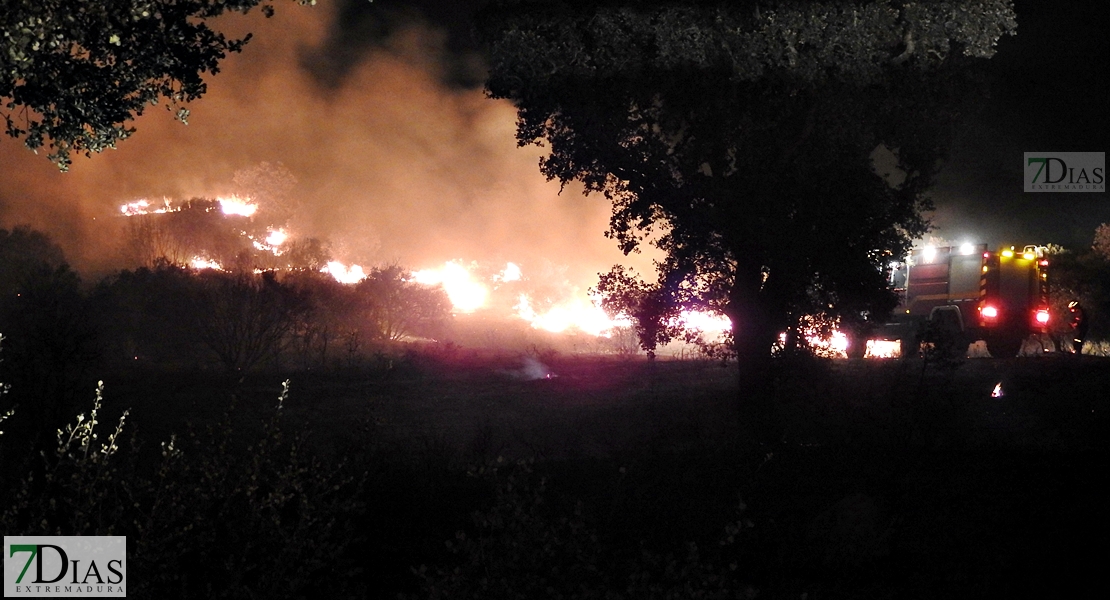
<point>344,274</point>
<point>204,263</point>
<point>274,238</point>
<point>143,207</point>
<point>466,294</point>
<point>583,315</point>
<point>235,205</point>
<point>277,237</point>
<point>510,273</point>
<point>833,346</point>
<point>705,321</point>
<point>883,349</point>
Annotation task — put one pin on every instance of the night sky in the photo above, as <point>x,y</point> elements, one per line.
<point>377,108</point>
<point>1049,92</point>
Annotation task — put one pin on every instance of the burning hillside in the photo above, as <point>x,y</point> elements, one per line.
<point>233,234</point>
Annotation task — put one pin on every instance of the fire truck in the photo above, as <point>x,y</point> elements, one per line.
<point>967,293</point>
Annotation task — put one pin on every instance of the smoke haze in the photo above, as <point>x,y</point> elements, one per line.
<point>392,165</point>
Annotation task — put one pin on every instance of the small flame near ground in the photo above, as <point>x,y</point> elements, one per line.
<point>883,349</point>
<point>997,391</point>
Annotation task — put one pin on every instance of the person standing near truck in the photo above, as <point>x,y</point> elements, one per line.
<point>1078,324</point>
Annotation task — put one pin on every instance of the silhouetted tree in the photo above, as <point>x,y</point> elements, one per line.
<point>74,74</point>
<point>742,137</point>
<point>399,308</point>
<point>146,316</point>
<point>333,311</point>
<point>245,319</point>
<point>50,341</point>
<point>23,251</point>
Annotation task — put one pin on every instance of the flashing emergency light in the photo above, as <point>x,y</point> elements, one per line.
<point>1029,256</point>
<point>1008,253</point>
<point>967,249</point>
<point>989,312</point>
<point>1042,316</point>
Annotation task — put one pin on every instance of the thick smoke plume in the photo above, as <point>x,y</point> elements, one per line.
<point>391,164</point>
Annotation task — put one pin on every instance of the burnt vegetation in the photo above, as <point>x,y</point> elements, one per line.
<point>391,467</point>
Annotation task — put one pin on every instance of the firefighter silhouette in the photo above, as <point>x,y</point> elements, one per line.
<point>1078,325</point>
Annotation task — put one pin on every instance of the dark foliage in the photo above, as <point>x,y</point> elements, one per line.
<point>50,342</point>
<point>740,138</point>
<point>73,75</point>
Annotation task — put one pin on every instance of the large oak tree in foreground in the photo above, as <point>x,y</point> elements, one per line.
<point>74,73</point>
<point>745,139</point>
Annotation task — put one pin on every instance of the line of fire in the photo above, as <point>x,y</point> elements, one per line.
<point>967,296</point>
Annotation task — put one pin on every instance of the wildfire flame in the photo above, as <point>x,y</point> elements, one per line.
<point>469,292</point>
<point>343,273</point>
<point>883,349</point>
<point>274,238</point>
<point>583,315</point>
<point>705,321</point>
<point>143,207</point>
<point>203,263</point>
<point>833,346</point>
<point>466,294</point>
<point>277,237</point>
<point>235,205</point>
<point>510,273</point>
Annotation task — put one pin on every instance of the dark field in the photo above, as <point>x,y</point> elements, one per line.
<point>893,479</point>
